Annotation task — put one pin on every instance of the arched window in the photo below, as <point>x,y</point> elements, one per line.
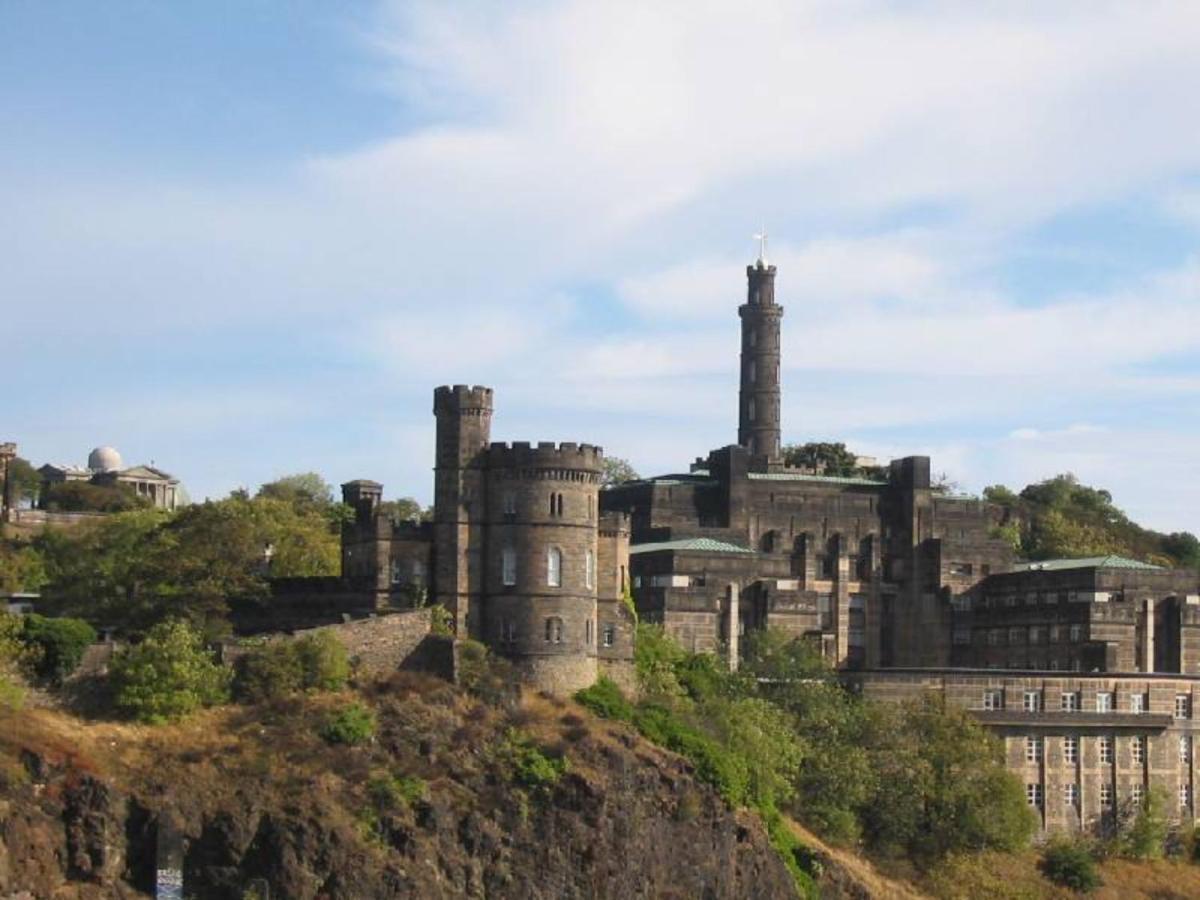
<point>589,570</point>
<point>508,566</point>
<point>753,372</point>
<point>750,411</point>
<point>591,507</point>
<point>554,630</point>
<point>554,561</point>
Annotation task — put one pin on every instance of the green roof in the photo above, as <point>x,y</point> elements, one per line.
<point>1086,562</point>
<point>703,544</point>
<point>826,479</point>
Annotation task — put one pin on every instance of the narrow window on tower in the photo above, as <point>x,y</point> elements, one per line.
<point>552,504</point>
<point>753,372</point>
<point>558,507</point>
<point>508,566</point>
<point>750,410</point>
<point>554,567</point>
<point>589,570</point>
<point>753,337</point>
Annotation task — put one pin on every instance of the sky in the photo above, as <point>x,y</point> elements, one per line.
<point>245,239</point>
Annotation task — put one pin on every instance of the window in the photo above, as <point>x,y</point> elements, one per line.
<point>1076,634</point>
<point>1185,796</point>
<point>1070,701</point>
<point>609,635</point>
<point>753,337</point>
<point>994,637</point>
<point>1070,750</point>
<point>752,372</point>
<point>1033,795</point>
<point>1135,794</point>
<point>1055,634</point>
<point>508,566</point>
<point>1104,702</point>
<point>587,632</point>
<point>1035,634</point>
<point>750,410</point>
<point>591,507</point>
<point>1183,706</point>
<point>589,570</point>
<point>1185,748</point>
<point>1106,796</point>
<point>1015,635</point>
<point>397,572</point>
<point>1137,703</point>
<point>962,635</point>
<point>508,631</point>
<point>1137,750</point>
<point>554,630</point>
<point>1033,749</point>
<point>510,503</point>
<point>1106,750</point>
<point>993,700</point>
<point>556,504</point>
<point>1071,794</point>
<point>1032,701</point>
<point>554,567</point>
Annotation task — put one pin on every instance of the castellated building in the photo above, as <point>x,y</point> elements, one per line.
<point>1088,669</point>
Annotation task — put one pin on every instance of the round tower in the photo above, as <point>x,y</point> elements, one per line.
<point>759,396</point>
<point>543,561</point>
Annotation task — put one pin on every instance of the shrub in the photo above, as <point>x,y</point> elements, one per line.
<point>267,673</point>
<point>714,764</point>
<point>655,657</point>
<point>388,791</point>
<point>1145,837</point>
<point>57,645</point>
<point>353,724</point>
<point>605,699</point>
<point>168,675</point>
<point>324,663</point>
<point>1070,863</point>
<point>441,622</point>
<point>483,675</point>
<point>531,767</point>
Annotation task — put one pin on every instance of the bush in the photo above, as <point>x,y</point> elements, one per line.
<point>441,622</point>
<point>168,675</point>
<point>324,663</point>
<point>1070,863</point>
<point>655,657</point>
<point>532,767</point>
<point>353,724</point>
<point>605,699</point>
<point>56,645</point>
<point>1146,835</point>
<point>314,662</point>
<point>388,791</point>
<point>486,676</point>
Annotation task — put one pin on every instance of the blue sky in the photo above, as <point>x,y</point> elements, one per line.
<point>242,239</point>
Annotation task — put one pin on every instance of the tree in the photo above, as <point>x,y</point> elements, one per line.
<point>1000,495</point>
<point>1184,547</point>
<point>83,496</point>
<point>1145,834</point>
<point>304,489</point>
<point>615,470</point>
<point>57,645</point>
<point>405,509</point>
<point>168,675</point>
<point>824,458</point>
<point>21,567</point>
<point>25,481</point>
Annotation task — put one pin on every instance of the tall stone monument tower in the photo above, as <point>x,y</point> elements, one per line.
<point>758,399</point>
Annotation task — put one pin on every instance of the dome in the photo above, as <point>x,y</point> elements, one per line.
<point>104,459</point>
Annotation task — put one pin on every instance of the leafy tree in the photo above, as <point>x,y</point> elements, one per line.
<point>824,458</point>
<point>168,675</point>
<point>25,481</point>
<point>267,673</point>
<point>303,490</point>
<point>1184,547</point>
<point>21,567</point>
<point>1000,495</point>
<point>405,509</point>
<point>83,496</point>
<point>57,645</point>
<point>615,470</point>
<point>324,663</point>
<point>1071,864</point>
<point>1145,834</point>
<point>655,658</point>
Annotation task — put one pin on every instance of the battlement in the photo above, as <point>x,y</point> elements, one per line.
<point>545,455</point>
<point>461,398</point>
<point>614,523</point>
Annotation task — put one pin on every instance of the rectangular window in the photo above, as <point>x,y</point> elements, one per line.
<point>1032,701</point>
<point>1071,794</point>
<point>1033,795</point>
<point>1137,750</point>
<point>1183,706</point>
<point>1106,796</point>
<point>994,637</point>
<point>1033,749</point>
<point>587,632</point>
<point>610,635</point>
<point>508,631</point>
<point>508,566</point>
<point>1015,635</point>
<point>1070,701</point>
<point>993,700</point>
<point>1106,750</point>
<point>1137,703</point>
<point>1070,750</point>
<point>1055,634</point>
<point>1035,634</point>
<point>589,570</point>
<point>510,503</point>
<point>1104,702</point>
<point>554,567</point>
<point>1076,634</point>
<point>1135,794</point>
<point>1185,748</point>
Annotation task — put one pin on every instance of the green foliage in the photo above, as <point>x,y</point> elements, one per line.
<point>22,568</point>
<point>655,657</point>
<point>1000,495</point>
<point>405,509</point>
<point>605,699</point>
<point>168,675</point>
<point>56,645</point>
<point>1009,532</point>
<point>24,478</point>
<point>324,663</point>
<point>802,863</point>
<point>1071,864</point>
<point>614,470</point>
<point>1145,835</point>
<point>630,606</point>
<point>267,673</point>
<point>486,676</point>
<point>303,490</point>
<point>824,458</point>
<point>388,791</point>
<point>352,725</point>
<point>441,621</point>
<point>529,764</point>
<point>83,496</point>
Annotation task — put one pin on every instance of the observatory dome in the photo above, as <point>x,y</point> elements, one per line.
<point>104,459</point>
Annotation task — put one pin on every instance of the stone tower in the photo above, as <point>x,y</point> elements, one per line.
<point>464,428</point>
<point>758,398</point>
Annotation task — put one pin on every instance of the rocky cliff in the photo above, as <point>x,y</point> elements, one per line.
<point>255,793</point>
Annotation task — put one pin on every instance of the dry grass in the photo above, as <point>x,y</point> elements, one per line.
<point>859,871</point>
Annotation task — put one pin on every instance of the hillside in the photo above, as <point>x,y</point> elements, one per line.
<point>259,795</point>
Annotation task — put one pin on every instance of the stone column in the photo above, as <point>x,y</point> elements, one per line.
<point>731,622</point>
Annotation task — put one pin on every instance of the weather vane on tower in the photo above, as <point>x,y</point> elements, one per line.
<point>761,237</point>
